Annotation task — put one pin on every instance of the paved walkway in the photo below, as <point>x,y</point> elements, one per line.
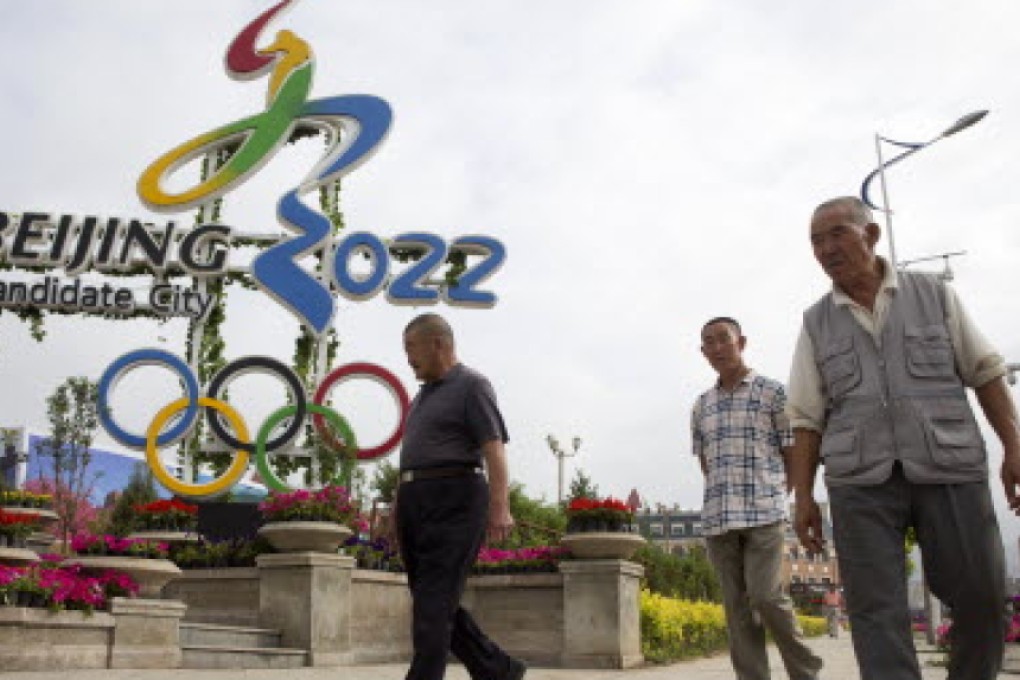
<point>838,655</point>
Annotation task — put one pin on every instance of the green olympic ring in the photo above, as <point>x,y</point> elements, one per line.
<point>269,476</point>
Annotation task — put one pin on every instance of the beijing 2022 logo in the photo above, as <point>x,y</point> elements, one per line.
<point>355,125</point>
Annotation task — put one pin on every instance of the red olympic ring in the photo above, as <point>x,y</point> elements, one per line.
<point>383,377</point>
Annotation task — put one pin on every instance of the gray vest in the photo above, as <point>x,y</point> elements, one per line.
<point>900,401</point>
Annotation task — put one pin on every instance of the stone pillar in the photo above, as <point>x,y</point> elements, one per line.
<point>146,633</point>
<point>602,618</point>
<point>307,596</point>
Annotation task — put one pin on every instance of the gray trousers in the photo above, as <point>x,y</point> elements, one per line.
<point>963,562</point>
<point>749,565</point>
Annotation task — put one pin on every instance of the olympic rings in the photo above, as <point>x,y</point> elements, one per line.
<point>218,485</point>
<point>220,415</point>
<point>269,476</point>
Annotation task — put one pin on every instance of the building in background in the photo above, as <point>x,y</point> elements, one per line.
<point>676,530</point>
<point>21,461</point>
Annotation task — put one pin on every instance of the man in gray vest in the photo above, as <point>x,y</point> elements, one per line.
<point>877,392</point>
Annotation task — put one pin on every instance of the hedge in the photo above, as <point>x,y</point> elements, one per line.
<point>674,629</point>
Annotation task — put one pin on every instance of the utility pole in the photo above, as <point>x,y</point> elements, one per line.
<point>554,446</point>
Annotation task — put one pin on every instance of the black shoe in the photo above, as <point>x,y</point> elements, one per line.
<point>515,670</point>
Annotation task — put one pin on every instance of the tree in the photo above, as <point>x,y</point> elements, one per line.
<point>384,481</point>
<point>74,416</point>
<point>76,513</point>
<point>140,489</point>
<point>690,577</point>
<point>538,522</point>
<point>581,486</point>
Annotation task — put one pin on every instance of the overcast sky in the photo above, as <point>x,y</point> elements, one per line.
<point>648,164</point>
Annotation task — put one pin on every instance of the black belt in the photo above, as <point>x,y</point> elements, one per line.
<point>438,473</point>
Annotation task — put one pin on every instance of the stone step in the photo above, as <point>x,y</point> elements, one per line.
<point>216,635</point>
<point>215,657</point>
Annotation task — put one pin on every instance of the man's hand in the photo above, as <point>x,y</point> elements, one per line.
<point>807,523</point>
<point>997,403</point>
<point>501,522</point>
<point>1011,479</point>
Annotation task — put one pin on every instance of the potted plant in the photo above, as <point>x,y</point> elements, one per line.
<point>166,516</point>
<point>15,528</point>
<point>145,561</point>
<point>600,529</point>
<point>315,521</point>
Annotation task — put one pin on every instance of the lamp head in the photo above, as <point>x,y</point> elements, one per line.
<point>965,122</point>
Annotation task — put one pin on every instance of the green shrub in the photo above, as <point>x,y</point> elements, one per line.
<point>674,629</point>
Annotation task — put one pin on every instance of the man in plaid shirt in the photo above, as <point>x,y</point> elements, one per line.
<point>740,435</point>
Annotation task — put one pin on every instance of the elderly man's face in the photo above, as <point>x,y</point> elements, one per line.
<point>844,248</point>
<point>424,355</point>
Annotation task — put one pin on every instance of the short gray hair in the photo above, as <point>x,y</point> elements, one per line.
<point>859,211</point>
<point>430,324</point>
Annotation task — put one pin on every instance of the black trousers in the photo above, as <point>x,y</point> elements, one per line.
<point>441,524</point>
<point>962,553</point>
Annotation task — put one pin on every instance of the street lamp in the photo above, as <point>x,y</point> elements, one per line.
<point>554,446</point>
<point>947,272</point>
<point>911,148</point>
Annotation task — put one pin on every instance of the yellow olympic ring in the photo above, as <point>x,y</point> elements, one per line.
<point>216,486</point>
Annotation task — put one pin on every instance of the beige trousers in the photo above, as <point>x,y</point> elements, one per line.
<point>748,563</point>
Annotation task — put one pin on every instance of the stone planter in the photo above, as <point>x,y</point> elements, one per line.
<point>166,536</point>
<point>602,545</point>
<point>324,537</point>
<point>150,574</point>
<point>17,557</point>
<point>46,517</point>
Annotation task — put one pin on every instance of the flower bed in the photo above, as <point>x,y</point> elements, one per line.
<point>521,561</point>
<point>375,554</point>
<point>240,552</point>
<point>813,626</point>
<point>680,629</point>
<point>89,544</point>
<point>15,528</point>
<point>379,555</point>
<point>55,586</point>
<point>25,499</point>
<point>172,515</point>
<point>329,504</point>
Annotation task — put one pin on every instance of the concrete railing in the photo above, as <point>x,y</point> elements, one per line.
<point>585,616</point>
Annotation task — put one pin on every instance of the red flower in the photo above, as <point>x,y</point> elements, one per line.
<point>582,504</point>
<point>14,519</point>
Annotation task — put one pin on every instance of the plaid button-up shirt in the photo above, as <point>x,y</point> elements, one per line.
<point>741,434</point>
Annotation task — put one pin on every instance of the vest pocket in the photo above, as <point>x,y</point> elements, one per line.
<point>929,352</point>
<point>840,453</point>
<point>953,438</point>
<point>840,367</point>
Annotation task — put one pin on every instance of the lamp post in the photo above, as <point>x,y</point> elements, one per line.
<point>911,148</point>
<point>554,446</point>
